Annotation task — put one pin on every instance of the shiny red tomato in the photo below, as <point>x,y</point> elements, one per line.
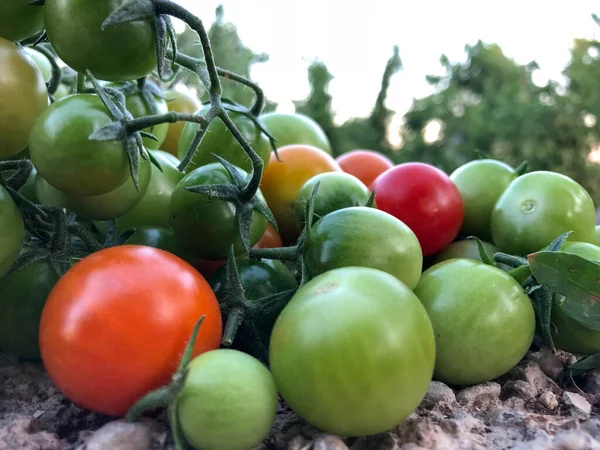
<point>116,324</point>
<point>270,239</point>
<point>425,199</point>
<point>366,165</point>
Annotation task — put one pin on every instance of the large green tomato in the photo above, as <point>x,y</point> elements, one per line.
<point>153,208</point>
<point>228,401</point>
<point>353,352</point>
<point>12,232</point>
<point>208,226</point>
<point>483,321</point>
<point>41,62</point>
<point>290,129</point>
<point>19,20</point>
<point>137,106</point>
<point>107,206</point>
<point>568,334</point>
<point>366,237</point>
<point>23,295</point>
<point>219,140</point>
<point>23,97</point>
<point>464,249</point>
<point>538,207</point>
<point>64,155</point>
<point>122,52</point>
<point>480,184</point>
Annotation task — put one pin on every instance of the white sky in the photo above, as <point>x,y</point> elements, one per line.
<point>355,39</point>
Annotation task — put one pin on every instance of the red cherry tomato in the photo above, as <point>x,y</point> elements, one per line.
<point>366,165</point>
<point>270,239</point>
<point>425,199</point>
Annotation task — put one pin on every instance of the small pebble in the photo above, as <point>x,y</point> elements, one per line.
<point>549,400</point>
<point>121,435</point>
<point>438,392</point>
<point>577,403</point>
<point>483,392</point>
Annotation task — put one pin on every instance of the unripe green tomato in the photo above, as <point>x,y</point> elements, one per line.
<point>482,320</point>
<point>290,129</point>
<point>464,249</point>
<point>12,231</point>
<point>228,401</point>
<point>41,61</point>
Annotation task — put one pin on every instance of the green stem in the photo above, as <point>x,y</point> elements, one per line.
<point>22,168</point>
<point>86,237</point>
<point>280,253</point>
<point>259,103</point>
<point>208,116</point>
<point>56,72</point>
<point>234,320</point>
<point>80,83</point>
<point>59,232</point>
<point>142,123</point>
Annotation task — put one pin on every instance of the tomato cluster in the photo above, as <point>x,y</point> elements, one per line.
<point>344,284</point>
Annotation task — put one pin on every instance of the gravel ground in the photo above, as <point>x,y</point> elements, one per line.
<point>524,410</point>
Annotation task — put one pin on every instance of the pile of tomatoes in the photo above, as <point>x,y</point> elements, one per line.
<point>361,290</point>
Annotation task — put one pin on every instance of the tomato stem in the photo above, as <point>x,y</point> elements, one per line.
<point>234,320</point>
<point>189,154</point>
<point>80,83</point>
<point>279,253</point>
<point>259,103</point>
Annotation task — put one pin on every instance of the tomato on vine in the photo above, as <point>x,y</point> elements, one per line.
<point>13,231</point>
<point>19,20</point>
<point>137,106</point>
<point>182,102</point>
<point>366,165</point>
<point>289,129</point>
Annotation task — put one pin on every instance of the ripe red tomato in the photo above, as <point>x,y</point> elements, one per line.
<point>366,165</point>
<point>116,324</point>
<point>270,239</point>
<point>425,199</point>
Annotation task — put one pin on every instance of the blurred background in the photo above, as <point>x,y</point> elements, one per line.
<point>439,82</point>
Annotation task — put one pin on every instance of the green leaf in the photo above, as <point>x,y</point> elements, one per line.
<point>132,11</point>
<point>481,249</point>
<point>574,277</point>
<point>558,243</point>
<point>371,201</point>
<point>584,365</point>
<point>541,298</point>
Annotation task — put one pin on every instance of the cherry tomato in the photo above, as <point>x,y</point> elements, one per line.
<point>162,238</point>
<point>366,165</point>
<point>219,140</point>
<point>483,321</point>
<point>122,52</point>
<point>367,237</point>
<point>42,63</point>
<point>207,226</point>
<point>425,199</point>
<point>228,401</point>
<point>13,231</point>
<point>538,207</point>
<point>289,129</point>
<point>353,351</point>
<point>64,155</point>
<point>23,96</point>
<point>465,249</point>
<point>270,239</point>
<point>282,180</point>
<point>181,102</point>
<point>19,20</point>
<point>480,184</point>
<point>115,325</point>
<point>137,106</point>
<point>597,235</point>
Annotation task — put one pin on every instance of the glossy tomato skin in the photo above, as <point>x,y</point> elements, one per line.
<point>42,63</point>
<point>483,321</point>
<point>270,239</point>
<point>322,351</point>
<point>162,238</point>
<point>228,401</point>
<point>182,102</point>
<point>283,179</point>
<point>153,207</point>
<point>106,206</point>
<point>289,129</point>
<point>347,238</point>
<point>207,226</point>
<point>425,199</point>
<point>115,325</point>
<point>19,20</point>
<point>366,165</point>
<point>23,295</point>
<point>538,207</point>
<point>23,97</point>
<point>219,140</point>
<point>137,106</point>
<point>64,155</point>
<point>337,190</point>
<point>122,52</point>
<point>13,231</point>
<point>567,333</point>
<point>597,235</point>
<point>481,183</point>
<point>464,249</point>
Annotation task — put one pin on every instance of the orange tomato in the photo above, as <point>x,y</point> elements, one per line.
<point>182,102</point>
<point>366,165</point>
<point>116,324</point>
<point>283,179</point>
<point>270,239</point>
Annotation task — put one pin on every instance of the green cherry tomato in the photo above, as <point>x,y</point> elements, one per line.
<point>483,321</point>
<point>480,184</point>
<point>366,237</point>
<point>137,106</point>
<point>159,237</point>
<point>121,52</point>
<point>337,190</point>
<point>353,351</point>
<point>228,401</point>
<point>153,208</point>
<point>23,97</point>
<point>464,249</point>
<point>219,140</point>
<point>20,20</point>
<point>567,333</point>
<point>107,206</point>
<point>597,235</point>
<point>207,226</point>
<point>62,91</point>
<point>64,155</point>
<point>538,207</point>
<point>23,295</point>
<point>41,62</point>
<point>296,128</point>
<point>12,232</point>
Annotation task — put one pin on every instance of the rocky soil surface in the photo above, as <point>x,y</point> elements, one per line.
<point>524,410</point>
